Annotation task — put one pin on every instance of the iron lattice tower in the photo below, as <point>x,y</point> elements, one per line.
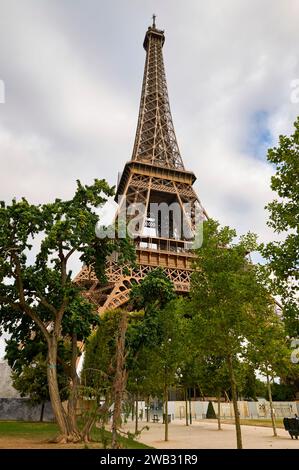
<point>155,174</point>
<point>155,140</point>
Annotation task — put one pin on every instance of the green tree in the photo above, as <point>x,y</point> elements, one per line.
<point>99,370</point>
<point>32,383</point>
<point>168,355</point>
<point>210,411</point>
<point>261,389</point>
<point>120,377</point>
<point>215,379</point>
<point>269,353</point>
<point>29,369</point>
<point>227,298</point>
<point>37,292</point>
<point>153,292</point>
<point>99,359</point>
<point>189,373</point>
<point>283,392</point>
<point>27,348</point>
<point>153,345</point>
<point>160,334</point>
<point>105,370</point>
<point>142,377</point>
<point>284,219</point>
<point>151,295</point>
<point>249,386</point>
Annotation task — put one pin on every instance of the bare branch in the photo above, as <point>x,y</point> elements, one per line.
<point>70,253</point>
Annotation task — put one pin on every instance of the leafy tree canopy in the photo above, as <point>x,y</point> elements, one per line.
<point>283,255</point>
<point>36,288</point>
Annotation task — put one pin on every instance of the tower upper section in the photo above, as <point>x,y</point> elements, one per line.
<point>155,141</point>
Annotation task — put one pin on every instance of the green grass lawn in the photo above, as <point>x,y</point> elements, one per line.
<point>28,430</point>
<point>257,422</point>
<point>263,422</point>
<point>126,442</point>
<point>46,431</point>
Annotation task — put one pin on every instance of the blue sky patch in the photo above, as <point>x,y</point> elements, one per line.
<point>260,138</point>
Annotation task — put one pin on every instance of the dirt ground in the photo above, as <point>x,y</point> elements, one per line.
<point>200,435</point>
<point>23,443</point>
<point>205,435</point>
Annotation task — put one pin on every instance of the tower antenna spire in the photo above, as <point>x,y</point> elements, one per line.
<point>154,20</point>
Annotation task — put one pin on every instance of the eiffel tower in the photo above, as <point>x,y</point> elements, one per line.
<point>154,175</point>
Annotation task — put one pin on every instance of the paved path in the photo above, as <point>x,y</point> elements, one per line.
<point>205,435</point>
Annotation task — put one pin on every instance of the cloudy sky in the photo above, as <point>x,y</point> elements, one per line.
<point>72,71</point>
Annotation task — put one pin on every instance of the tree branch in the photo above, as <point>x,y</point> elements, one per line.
<point>15,306</point>
<point>59,315</point>
<point>46,304</point>
<point>62,264</point>
<point>60,250</point>
<point>28,311</point>
<point>70,253</point>
<point>65,367</point>
<point>23,304</point>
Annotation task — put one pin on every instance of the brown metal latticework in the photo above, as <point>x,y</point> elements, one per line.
<point>155,140</point>
<point>155,174</point>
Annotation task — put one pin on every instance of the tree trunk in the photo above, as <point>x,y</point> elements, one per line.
<point>201,392</point>
<point>166,411</point>
<point>147,409</point>
<point>219,411</point>
<point>72,411</point>
<point>120,378</point>
<point>186,406</point>
<point>133,408</point>
<point>99,410</point>
<point>57,407</point>
<point>235,401</point>
<point>41,418</point>
<point>190,410</point>
<point>73,396</point>
<point>136,414</point>
<point>271,403</point>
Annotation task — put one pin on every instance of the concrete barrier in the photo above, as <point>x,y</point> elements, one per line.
<point>19,409</point>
